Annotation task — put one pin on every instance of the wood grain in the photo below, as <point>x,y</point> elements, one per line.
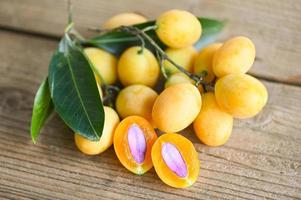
<point>262,159</point>
<point>274,25</point>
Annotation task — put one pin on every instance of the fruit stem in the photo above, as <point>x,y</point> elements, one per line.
<point>161,65</point>
<point>199,79</point>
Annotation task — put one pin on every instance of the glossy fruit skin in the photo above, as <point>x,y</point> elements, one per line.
<point>122,149</point>
<point>241,95</point>
<point>177,78</point>
<point>183,57</point>
<point>136,100</point>
<point>178,28</point>
<point>189,154</point>
<point>236,56</point>
<point>124,19</point>
<point>134,68</point>
<point>89,147</point>
<point>204,60</point>
<point>104,63</point>
<point>176,107</point>
<point>213,126</point>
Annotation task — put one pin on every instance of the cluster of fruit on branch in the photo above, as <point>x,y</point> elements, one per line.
<point>157,92</point>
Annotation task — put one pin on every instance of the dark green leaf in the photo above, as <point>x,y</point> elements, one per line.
<point>116,42</point>
<point>74,91</point>
<point>42,108</point>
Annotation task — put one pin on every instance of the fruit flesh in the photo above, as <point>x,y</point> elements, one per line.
<point>176,107</point>
<point>124,19</point>
<point>203,61</point>
<point>166,173</point>
<point>236,56</point>
<point>96,147</point>
<point>135,68</point>
<point>213,126</point>
<point>183,57</point>
<point>178,28</point>
<point>104,65</point>
<point>122,148</point>
<point>241,95</point>
<point>136,100</point>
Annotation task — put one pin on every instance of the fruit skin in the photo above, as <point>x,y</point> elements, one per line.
<point>136,100</point>
<point>213,126</point>
<point>236,56</point>
<point>122,149</point>
<point>124,19</point>
<point>241,95</point>
<point>189,155</point>
<point>183,57</point>
<point>203,61</point>
<point>178,28</point>
<point>104,63</point>
<point>178,78</point>
<point>135,68</point>
<point>96,147</point>
<point>176,107</point>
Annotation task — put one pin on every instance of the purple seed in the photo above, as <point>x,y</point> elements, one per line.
<point>137,143</point>
<point>173,159</point>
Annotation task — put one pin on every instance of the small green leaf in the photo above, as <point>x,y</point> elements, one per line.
<point>74,91</point>
<point>116,42</point>
<point>210,30</point>
<point>42,108</point>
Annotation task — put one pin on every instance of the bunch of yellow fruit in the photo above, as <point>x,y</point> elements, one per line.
<point>180,104</point>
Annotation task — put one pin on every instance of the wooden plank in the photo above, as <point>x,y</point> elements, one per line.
<point>261,160</point>
<point>273,25</point>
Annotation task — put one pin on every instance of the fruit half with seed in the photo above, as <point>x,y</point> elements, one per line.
<point>175,160</point>
<point>133,141</point>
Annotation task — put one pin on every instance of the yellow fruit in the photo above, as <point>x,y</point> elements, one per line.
<point>213,126</point>
<point>236,56</point>
<point>124,19</point>
<point>106,140</point>
<point>135,68</point>
<point>240,95</point>
<point>178,78</point>
<point>183,57</point>
<point>176,107</point>
<point>136,100</point>
<point>203,61</point>
<point>178,28</point>
<point>104,63</point>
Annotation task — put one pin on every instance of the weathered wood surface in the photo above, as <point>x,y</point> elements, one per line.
<point>274,25</point>
<point>262,159</point>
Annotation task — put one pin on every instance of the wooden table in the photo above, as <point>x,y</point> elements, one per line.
<point>262,159</point>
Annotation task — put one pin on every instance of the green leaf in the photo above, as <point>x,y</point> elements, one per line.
<point>74,91</point>
<point>42,108</point>
<point>116,42</point>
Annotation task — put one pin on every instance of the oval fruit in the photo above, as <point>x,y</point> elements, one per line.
<point>133,141</point>
<point>183,57</point>
<point>236,56</point>
<point>104,65</point>
<point>96,147</point>
<point>176,107</point>
<point>213,126</point>
<point>138,68</point>
<point>240,95</point>
<point>203,61</point>
<point>124,19</point>
<point>178,28</point>
<point>136,100</point>
<point>175,160</point>
<point>178,78</point>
